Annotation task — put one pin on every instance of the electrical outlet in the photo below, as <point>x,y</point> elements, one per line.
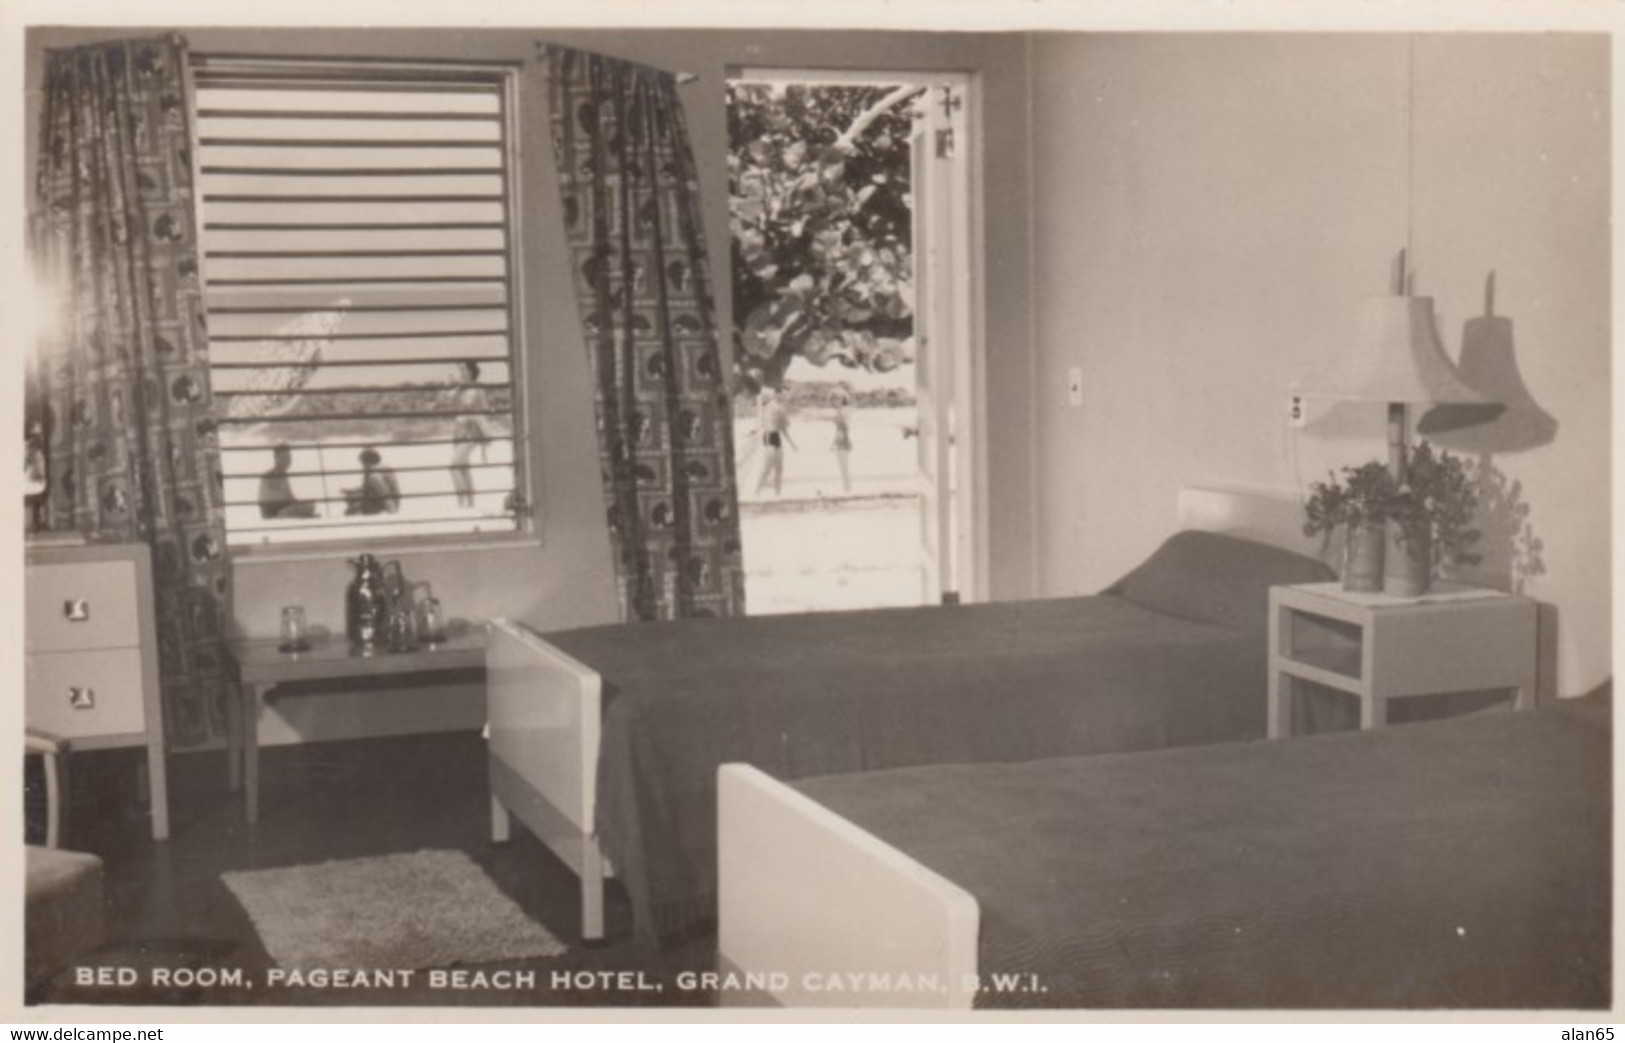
<point>1296,413</point>
<point>1074,386</point>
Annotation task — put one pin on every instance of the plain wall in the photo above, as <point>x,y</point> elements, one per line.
<point>1214,207</point>
<point>566,580</point>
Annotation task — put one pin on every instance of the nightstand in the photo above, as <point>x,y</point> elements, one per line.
<point>1377,647</point>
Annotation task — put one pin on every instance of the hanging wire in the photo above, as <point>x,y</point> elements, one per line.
<point>1406,264</point>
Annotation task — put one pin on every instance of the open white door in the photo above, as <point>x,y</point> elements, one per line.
<point>932,549</point>
<point>941,310</point>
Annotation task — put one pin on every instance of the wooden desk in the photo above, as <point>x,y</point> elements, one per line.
<point>260,667</point>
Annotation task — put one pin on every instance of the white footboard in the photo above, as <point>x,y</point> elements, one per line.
<point>817,912</point>
<point>543,717</point>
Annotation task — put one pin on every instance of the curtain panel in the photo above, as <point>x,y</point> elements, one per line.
<point>118,390</point>
<point>642,277</point>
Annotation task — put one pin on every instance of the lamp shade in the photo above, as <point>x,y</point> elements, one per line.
<point>1398,358</point>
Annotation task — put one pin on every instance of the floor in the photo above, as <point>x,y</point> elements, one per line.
<point>166,907</point>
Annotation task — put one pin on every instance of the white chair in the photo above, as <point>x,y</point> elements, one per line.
<point>63,912</point>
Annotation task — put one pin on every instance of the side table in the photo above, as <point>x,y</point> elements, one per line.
<point>260,666</point>
<point>1378,647</point>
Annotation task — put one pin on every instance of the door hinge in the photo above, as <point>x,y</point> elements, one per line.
<point>945,144</point>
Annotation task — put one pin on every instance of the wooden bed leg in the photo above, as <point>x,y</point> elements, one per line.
<point>501,822</point>
<point>592,890</point>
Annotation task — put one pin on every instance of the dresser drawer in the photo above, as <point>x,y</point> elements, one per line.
<point>82,604</point>
<point>106,684</point>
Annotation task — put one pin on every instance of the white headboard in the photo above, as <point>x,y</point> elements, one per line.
<point>1273,516</point>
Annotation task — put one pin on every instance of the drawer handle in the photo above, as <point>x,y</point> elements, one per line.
<point>76,610</point>
<point>81,698</point>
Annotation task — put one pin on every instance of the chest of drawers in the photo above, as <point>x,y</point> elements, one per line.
<point>91,669</point>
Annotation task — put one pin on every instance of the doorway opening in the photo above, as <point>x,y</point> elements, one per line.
<point>849,217</point>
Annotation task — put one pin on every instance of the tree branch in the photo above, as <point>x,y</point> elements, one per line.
<point>848,141</point>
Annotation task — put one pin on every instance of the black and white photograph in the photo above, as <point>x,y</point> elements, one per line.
<point>962,512</point>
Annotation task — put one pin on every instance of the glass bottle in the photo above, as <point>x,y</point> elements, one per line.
<point>364,613</point>
<point>399,620</point>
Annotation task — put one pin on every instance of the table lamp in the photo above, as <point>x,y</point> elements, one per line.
<point>1397,359</point>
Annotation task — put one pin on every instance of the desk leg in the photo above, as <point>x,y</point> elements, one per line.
<point>234,737</point>
<point>501,822</point>
<point>158,770</point>
<point>253,701</point>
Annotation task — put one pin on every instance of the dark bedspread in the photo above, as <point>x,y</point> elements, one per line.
<point>1460,863</point>
<point>854,691</point>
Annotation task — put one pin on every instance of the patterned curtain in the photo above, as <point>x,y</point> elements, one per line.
<point>632,221</point>
<point>120,388</point>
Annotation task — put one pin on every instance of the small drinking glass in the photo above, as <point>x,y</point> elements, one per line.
<point>295,638</point>
<point>431,623</point>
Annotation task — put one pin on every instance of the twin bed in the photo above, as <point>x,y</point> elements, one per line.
<point>957,806</point>
<point>605,741</point>
<point>1461,863</point>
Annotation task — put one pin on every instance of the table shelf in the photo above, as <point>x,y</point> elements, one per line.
<point>1341,663</point>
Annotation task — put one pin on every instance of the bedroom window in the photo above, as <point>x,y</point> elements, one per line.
<point>358,259</point>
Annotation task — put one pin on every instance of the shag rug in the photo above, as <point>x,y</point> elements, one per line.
<point>407,911</point>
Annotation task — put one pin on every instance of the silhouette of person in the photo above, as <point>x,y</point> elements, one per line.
<point>378,493</point>
<point>468,433</point>
<point>277,499</point>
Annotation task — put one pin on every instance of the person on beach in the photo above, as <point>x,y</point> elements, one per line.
<point>379,492</point>
<point>775,433</point>
<point>277,499</point>
<point>842,443</point>
<point>467,433</point>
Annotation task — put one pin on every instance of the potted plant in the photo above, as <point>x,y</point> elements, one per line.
<point>1432,511</point>
<point>1361,502</point>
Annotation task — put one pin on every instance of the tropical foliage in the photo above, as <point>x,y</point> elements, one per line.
<point>820,221</point>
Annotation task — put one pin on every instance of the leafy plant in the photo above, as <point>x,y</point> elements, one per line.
<point>1433,506</point>
<point>1366,495</point>
<point>1436,503</point>
<point>819,211</point>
